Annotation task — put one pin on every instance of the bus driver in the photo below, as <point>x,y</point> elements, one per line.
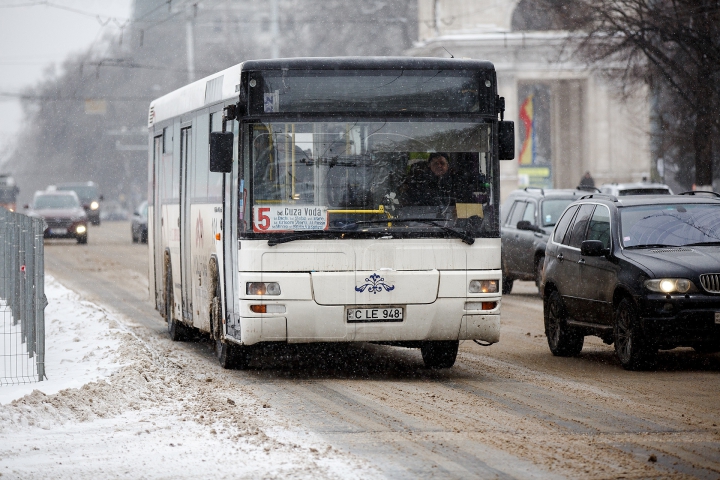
<point>432,183</point>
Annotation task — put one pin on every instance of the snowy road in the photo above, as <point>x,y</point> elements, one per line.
<point>510,410</point>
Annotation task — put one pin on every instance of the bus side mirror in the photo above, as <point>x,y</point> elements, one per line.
<point>221,151</point>
<point>506,140</point>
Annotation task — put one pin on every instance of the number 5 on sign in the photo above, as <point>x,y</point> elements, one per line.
<point>262,221</point>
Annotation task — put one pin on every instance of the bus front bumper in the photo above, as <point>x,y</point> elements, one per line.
<point>304,321</point>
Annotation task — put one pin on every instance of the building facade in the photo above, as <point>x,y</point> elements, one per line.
<point>568,119</point>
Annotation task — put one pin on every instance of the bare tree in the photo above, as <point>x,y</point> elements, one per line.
<point>673,43</point>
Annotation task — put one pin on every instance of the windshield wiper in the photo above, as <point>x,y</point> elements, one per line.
<point>652,245</point>
<point>306,236</point>
<point>700,244</point>
<point>455,233</point>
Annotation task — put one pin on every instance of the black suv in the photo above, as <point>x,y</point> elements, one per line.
<point>528,217</point>
<point>640,272</point>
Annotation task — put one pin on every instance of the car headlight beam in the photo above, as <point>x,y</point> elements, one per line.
<point>669,285</point>
<point>94,206</point>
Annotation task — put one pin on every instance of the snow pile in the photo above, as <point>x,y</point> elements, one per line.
<point>80,344</point>
<point>129,403</point>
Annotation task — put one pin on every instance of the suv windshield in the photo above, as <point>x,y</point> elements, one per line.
<point>552,209</point>
<point>86,193</point>
<point>358,176</point>
<point>55,201</point>
<point>671,225</point>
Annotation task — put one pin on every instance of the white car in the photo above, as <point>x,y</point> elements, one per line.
<point>638,188</point>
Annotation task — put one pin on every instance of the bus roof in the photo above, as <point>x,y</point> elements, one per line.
<point>225,84</point>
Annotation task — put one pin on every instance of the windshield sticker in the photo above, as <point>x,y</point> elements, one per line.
<point>272,102</point>
<point>289,218</point>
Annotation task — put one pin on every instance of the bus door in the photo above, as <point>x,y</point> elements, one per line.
<point>186,164</point>
<point>155,232</point>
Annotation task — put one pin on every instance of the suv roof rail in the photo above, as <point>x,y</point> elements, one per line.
<point>612,198</point>
<point>698,192</point>
<point>542,191</point>
<point>588,188</point>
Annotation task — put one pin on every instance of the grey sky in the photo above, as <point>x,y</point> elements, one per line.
<point>35,35</point>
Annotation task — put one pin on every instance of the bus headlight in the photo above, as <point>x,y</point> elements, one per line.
<point>262,288</point>
<point>94,205</point>
<point>669,285</point>
<point>483,286</point>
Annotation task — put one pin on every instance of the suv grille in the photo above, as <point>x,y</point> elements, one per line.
<point>711,282</point>
<point>58,222</point>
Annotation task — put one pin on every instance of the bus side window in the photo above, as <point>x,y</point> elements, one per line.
<point>215,178</point>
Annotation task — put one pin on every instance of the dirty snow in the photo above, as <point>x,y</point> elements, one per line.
<point>120,402</point>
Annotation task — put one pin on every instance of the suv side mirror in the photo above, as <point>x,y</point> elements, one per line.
<point>506,140</point>
<point>593,248</point>
<point>526,225</point>
<point>221,151</point>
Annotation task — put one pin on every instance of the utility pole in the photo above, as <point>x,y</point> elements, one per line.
<point>274,30</point>
<point>191,10</point>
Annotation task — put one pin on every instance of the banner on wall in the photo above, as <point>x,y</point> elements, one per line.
<point>527,152</point>
<point>535,159</point>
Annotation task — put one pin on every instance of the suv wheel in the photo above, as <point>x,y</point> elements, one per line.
<point>633,351</point>
<point>439,354</point>
<point>563,340</point>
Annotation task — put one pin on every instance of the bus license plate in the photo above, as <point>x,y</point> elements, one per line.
<point>382,314</point>
<point>717,318</point>
<point>58,231</point>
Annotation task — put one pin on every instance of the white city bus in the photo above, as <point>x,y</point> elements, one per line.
<point>330,200</point>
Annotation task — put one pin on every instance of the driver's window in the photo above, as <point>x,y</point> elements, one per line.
<point>517,214</point>
<point>530,213</point>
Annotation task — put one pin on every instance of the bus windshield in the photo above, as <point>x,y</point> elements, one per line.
<point>359,176</point>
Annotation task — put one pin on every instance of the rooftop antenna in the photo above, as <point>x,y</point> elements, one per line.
<point>451,55</point>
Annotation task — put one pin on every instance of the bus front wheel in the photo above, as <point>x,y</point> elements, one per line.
<point>439,354</point>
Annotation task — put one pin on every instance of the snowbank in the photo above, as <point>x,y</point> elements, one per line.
<point>80,344</point>
<point>124,402</point>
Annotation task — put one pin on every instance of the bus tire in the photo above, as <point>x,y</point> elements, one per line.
<point>176,330</point>
<point>439,354</point>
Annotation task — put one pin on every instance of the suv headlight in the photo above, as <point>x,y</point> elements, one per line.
<point>670,285</point>
<point>94,205</point>
<point>262,288</point>
<point>483,286</point>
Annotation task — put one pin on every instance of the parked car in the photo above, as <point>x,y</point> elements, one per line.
<point>528,217</point>
<point>89,196</point>
<point>637,188</point>
<point>139,226</point>
<point>112,211</point>
<point>63,214</point>
<point>642,272</point>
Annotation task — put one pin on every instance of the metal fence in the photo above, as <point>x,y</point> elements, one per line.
<point>22,298</point>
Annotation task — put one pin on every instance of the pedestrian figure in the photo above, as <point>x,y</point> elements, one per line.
<point>587,181</point>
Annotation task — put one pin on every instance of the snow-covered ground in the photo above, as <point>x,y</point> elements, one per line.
<point>81,346</point>
<point>121,403</point>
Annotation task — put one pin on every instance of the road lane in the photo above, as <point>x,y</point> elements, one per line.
<point>509,410</point>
